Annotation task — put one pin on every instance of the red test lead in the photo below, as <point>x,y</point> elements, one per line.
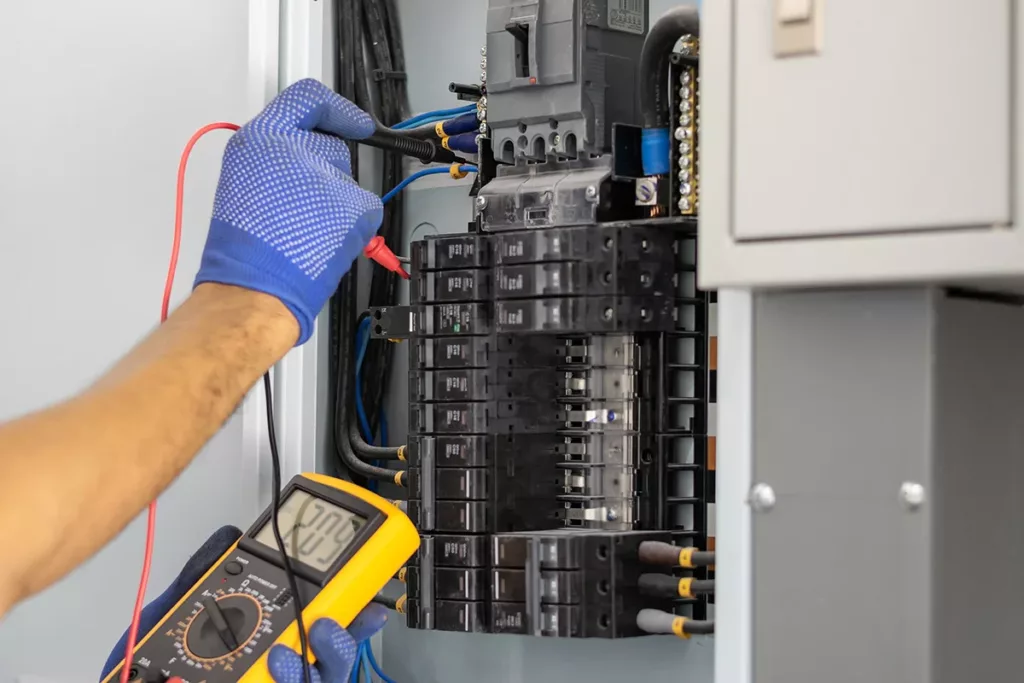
<point>377,251</point>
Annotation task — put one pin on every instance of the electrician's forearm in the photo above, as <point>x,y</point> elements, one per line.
<point>73,476</point>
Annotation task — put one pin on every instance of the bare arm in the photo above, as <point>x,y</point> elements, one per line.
<point>129,435</point>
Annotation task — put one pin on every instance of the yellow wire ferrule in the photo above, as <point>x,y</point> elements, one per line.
<point>686,557</point>
<point>686,587</point>
<point>401,452</point>
<point>439,129</point>
<point>400,605</point>
<point>679,628</point>
<point>456,171</point>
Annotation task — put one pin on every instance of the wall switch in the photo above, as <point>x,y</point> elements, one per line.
<point>791,11</point>
<point>797,27</point>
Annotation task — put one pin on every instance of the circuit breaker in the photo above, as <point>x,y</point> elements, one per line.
<point>561,356</point>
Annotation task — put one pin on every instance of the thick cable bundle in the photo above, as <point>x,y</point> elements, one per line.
<point>373,23</point>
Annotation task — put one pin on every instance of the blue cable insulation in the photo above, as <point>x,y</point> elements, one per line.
<point>382,421</point>
<point>364,424</point>
<point>354,676</point>
<point>426,122</point>
<point>364,660</point>
<point>463,142</point>
<point>419,174</point>
<point>420,119</point>
<point>362,338</point>
<point>467,123</point>
<point>375,665</point>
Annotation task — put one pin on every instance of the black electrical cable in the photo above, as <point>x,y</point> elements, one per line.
<point>698,628</point>
<point>654,61</point>
<point>373,23</point>
<point>384,37</point>
<point>700,558</point>
<point>470,91</point>
<point>369,451</point>
<point>275,462</point>
<point>668,555</point>
<point>428,132</point>
<point>398,57</point>
<point>398,477</point>
<point>403,144</point>
<point>342,303</point>
<point>346,380</point>
<point>665,586</point>
<point>660,622</point>
<point>387,601</point>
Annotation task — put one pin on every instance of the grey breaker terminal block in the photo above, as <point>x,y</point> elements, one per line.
<point>559,73</point>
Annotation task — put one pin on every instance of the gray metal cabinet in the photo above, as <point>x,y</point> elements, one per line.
<point>881,147</point>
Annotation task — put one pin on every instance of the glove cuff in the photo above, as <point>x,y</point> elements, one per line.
<point>234,257</point>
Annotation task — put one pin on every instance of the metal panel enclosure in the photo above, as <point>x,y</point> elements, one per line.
<point>891,127</point>
<point>979,472</point>
<point>855,394</point>
<point>840,420</point>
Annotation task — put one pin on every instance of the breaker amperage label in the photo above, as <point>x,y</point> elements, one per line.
<point>626,15</point>
<point>450,353</point>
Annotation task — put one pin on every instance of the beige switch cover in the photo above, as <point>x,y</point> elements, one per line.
<point>795,10</point>
<point>798,27</point>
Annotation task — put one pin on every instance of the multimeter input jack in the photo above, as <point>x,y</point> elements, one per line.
<point>141,674</point>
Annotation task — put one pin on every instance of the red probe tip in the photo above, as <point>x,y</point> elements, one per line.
<point>377,251</point>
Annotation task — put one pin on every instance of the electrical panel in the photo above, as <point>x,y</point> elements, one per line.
<point>561,357</point>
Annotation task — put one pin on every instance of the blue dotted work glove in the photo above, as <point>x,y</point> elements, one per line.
<point>194,569</point>
<point>335,649</point>
<point>288,219</point>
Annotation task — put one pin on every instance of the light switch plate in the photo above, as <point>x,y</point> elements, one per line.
<point>797,26</point>
<point>793,11</point>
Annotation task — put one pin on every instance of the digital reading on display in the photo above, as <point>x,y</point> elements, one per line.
<point>315,531</point>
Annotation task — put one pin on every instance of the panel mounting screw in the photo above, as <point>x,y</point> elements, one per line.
<point>612,515</point>
<point>481,202</point>
<point>762,498</point>
<point>591,192</point>
<point>608,313</point>
<point>483,51</point>
<point>912,495</point>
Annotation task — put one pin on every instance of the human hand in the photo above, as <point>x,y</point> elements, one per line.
<point>335,648</point>
<point>194,569</point>
<point>288,219</point>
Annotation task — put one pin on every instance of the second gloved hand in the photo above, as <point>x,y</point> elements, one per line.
<point>288,220</point>
<point>335,649</point>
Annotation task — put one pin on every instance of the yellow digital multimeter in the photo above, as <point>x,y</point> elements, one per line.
<point>345,544</point>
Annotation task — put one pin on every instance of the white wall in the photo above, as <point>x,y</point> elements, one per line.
<point>98,99</point>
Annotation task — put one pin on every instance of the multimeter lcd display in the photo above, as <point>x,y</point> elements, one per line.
<point>315,532</point>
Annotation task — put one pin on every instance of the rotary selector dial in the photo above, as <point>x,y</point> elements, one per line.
<point>222,626</point>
